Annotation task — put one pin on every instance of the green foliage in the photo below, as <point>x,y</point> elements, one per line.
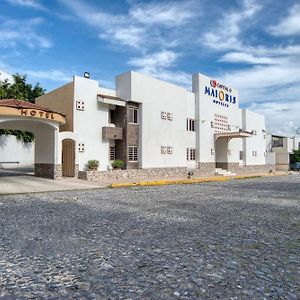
<point>24,136</point>
<point>295,157</point>
<point>117,164</point>
<point>93,164</point>
<point>21,90</point>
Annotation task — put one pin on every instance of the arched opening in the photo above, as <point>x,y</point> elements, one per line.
<point>68,158</point>
<point>44,124</point>
<point>44,144</point>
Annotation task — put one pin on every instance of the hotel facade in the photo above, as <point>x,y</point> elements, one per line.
<point>158,128</point>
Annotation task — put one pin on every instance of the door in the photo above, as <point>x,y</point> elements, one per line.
<point>68,158</point>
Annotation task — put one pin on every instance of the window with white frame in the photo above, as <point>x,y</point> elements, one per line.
<point>112,153</point>
<point>190,124</point>
<point>133,153</point>
<point>191,154</point>
<point>254,153</point>
<point>133,115</point>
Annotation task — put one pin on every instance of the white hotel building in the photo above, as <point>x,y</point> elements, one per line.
<point>158,126</point>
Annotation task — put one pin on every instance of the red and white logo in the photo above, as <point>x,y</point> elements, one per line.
<point>213,83</point>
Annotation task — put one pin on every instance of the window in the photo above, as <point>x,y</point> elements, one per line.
<point>112,153</point>
<point>241,155</point>
<point>112,117</point>
<point>133,153</point>
<point>79,105</point>
<point>277,142</point>
<point>191,154</point>
<point>254,153</point>
<point>133,115</point>
<point>190,124</point>
<point>81,147</point>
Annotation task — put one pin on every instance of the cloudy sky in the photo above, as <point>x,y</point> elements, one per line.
<point>251,45</point>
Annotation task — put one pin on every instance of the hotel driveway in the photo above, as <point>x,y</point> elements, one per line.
<point>12,182</point>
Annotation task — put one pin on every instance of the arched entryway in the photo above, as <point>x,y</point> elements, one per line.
<point>44,123</point>
<point>68,158</point>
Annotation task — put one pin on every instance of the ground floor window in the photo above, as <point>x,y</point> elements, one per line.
<point>133,153</point>
<point>190,154</point>
<point>112,153</point>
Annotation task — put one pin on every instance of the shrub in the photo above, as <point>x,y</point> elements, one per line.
<point>117,164</point>
<point>295,156</point>
<point>93,164</point>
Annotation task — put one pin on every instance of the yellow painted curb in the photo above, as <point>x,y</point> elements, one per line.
<point>169,182</point>
<point>189,181</point>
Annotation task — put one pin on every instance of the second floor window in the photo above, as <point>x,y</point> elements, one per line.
<point>133,115</point>
<point>190,124</point>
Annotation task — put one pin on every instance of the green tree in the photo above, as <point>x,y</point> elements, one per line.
<point>20,89</point>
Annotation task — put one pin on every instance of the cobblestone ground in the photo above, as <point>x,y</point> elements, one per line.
<point>233,240</point>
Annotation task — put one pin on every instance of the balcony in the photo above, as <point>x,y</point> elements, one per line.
<point>112,133</point>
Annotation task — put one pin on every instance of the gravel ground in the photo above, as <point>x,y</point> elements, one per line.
<point>230,240</point>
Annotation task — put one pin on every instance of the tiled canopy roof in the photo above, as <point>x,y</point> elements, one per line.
<point>24,104</point>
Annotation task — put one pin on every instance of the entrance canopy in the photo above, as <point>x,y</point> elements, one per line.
<point>24,110</point>
<point>233,135</point>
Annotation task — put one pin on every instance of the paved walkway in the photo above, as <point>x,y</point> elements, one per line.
<point>12,182</point>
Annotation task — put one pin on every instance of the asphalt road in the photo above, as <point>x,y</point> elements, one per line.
<point>230,240</point>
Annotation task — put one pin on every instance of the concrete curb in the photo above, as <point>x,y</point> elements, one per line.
<point>189,181</point>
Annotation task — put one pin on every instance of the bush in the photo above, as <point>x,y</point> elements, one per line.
<point>295,156</point>
<point>93,164</point>
<point>25,136</point>
<point>117,164</point>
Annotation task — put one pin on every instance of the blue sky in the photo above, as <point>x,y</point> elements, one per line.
<point>251,45</point>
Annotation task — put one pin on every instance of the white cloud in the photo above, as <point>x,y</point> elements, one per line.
<point>5,76</point>
<point>163,13</point>
<point>14,32</point>
<point>248,58</point>
<point>282,118</point>
<point>28,3</point>
<point>162,59</point>
<point>142,26</point>
<point>226,33</point>
<point>289,25</point>
<point>158,65</point>
<point>52,75</point>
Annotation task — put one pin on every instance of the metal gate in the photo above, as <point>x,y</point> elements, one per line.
<point>68,158</point>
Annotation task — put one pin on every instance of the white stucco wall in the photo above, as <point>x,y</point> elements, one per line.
<point>46,136</point>
<point>157,96</point>
<point>13,150</point>
<point>205,111</point>
<point>257,142</point>
<point>88,123</point>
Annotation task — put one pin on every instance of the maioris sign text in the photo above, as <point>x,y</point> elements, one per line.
<point>221,94</point>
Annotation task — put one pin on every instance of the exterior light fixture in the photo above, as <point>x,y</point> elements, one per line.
<point>86,75</point>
